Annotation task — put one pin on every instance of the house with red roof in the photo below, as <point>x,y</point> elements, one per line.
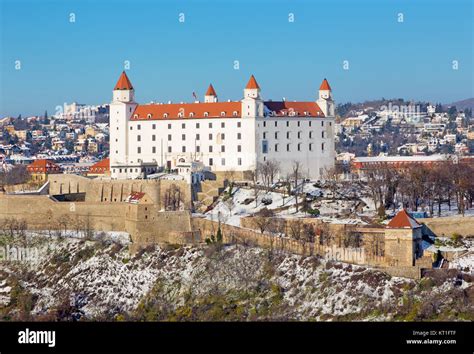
<point>41,168</point>
<point>100,169</point>
<point>222,135</point>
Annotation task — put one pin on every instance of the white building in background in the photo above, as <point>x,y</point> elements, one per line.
<point>78,111</point>
<point>232,135</point>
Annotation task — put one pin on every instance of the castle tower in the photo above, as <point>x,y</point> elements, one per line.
<point>121,109</point>
<point>211,95</point>
<point>252,104</point>
<point>325,100</point>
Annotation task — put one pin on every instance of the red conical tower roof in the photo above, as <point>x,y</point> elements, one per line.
<point>252,84</point>
<point>403,220</point>
<point>123,83</point>
<point>210,91</point>
<point>325,85</point>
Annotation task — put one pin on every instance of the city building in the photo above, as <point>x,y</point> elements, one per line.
<point>232,135</point>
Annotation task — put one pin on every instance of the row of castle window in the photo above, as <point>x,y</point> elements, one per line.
<point>288,147</point>
<point>183,149</point>
<point>239,136</point>
<point>183,125</point>
<point>298,123</point>
<point>288,135</point>
<point>239,148</point>
<point>239,125</point>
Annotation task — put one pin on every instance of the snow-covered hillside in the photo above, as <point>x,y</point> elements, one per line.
<point>98,280</point>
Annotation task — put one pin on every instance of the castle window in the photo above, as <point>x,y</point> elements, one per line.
<point>287,123</point>
<point>222,148</point>
<point>276,124</point>
<point>299,134</point>
<point>299,123</point>
<point>198,137</point>
<point>239,148</point>
<point>139,150</point>
<point>276,147</point>
<point>322,123</point>
<point>183,137</point>
<point>222,136</point>
<point>322,146</point>
<point>191,114</point>
<point>287,147</point>
<point>148,116</point>
<point>309,123</point>
<point>264,147</point>
<point>153,137</point>
<point>206,114</point>
<point>153,149</point>
<point>169,137</point>
<point>239,161</point>
<point>153,126</point>
<point>210,125</point>
<point>223,162</point>
<point>210,148</point>
<point>264,124</point>
<point>210,162</point>
<point>299,147</point>
<point>287,135</point>
<point>322,135</point>
<point>239,136</point>
<point>310,134</point>
<point>198,148</point>
<point>131,128</point>
<point>330,124</point>
<point>139,138</point>
<point>239,124</point>
<point>180,114</point>
<point>165,116</point>
<point>183,126</point>
<point>138,126</point>
<point>222,125</point>
<point>135,116</point>
<point>183,149</point>
<point>264,135</point>
<point>197,125</point>
<point>169,126</point>
<point>169,148</point>
<point>210,136</point>
<point>310,147</point>
<point>234,113</point>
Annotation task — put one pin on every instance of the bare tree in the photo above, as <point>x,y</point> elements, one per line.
<point>296,174</point>
<point>269,170</point>
<point>296,229</point>
<point>254,175</point>
<point>263,219</point>
<point>173,198</point>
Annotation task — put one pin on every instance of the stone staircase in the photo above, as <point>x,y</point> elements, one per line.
<point>208,192</point>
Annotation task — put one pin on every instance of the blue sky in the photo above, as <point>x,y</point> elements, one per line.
<point>81,61</point>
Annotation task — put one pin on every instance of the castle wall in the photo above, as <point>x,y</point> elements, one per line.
<point>446,226</point>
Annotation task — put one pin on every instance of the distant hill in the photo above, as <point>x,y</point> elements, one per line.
<point>462,105</point>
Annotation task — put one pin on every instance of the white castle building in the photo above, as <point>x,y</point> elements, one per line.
<point>233,135</point>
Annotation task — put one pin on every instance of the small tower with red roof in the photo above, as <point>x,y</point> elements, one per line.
<point>211,95</point>
<point>403,240</point>
<point>325,100</point>
<point>252,103</point>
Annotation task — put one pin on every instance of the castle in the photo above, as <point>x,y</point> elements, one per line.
<point>223,136</point>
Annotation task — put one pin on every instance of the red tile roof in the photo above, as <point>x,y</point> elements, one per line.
<point>252,84</point>
<point>325,85</point>
<point>43,166</point>
<point>187,110</point>
<point>210,91</point>
<point>298,109</point>
<point>102,166</point>
<point>221,109</point>
<point>403,220</point>
<point>134,197</point>
<point>123,83</point>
